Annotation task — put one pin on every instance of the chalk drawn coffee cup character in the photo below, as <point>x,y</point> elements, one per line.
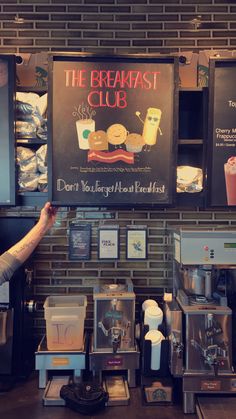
<point>84,125</point>
<point>116,135</point>
<point>151,126</point>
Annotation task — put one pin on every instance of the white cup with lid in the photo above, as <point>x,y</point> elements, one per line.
<point>148,303</point>
<point>156,337</point>
<point>153,317</point>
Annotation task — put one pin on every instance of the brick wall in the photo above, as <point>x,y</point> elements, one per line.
<point>104,27</point>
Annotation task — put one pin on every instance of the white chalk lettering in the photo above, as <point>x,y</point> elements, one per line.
<point>62,185</point>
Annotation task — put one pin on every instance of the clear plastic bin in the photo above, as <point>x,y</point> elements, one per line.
<point>65,315</point>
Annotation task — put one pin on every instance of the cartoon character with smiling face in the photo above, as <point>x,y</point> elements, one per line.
<point>117,134</point>
<point>151,126</point>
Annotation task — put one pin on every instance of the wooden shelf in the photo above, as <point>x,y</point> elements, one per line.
<point>191,89</point>
<point>34,198</point>
<point>34,89</point>
<point>190,141</point>
<point>184,199</point>
<point>31,141</point>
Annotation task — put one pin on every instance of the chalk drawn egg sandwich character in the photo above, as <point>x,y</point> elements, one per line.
<point>116,135</point>
<point>151,126</point>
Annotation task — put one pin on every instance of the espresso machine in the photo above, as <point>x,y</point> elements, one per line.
<point>113,348</point>
<point>199,318</point>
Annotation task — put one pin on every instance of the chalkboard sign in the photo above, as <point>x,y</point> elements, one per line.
<point>222,132</point>
<point>7,139</point>
<point>112,129</point>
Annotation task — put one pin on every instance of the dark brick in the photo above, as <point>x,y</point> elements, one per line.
<point>148,42</point>
<point>13,25</point>
<point>147,9</point>
<point>50,25</point>
<point>19,42</point>
<point>195,34</point>
<point>188,17</point>
<point>163,1</point>
<point>114,26</point>
<point>99,2</point>
<point>82,42</point>
<point>98,18</point>
<point>83,9</point>
<point>146,26</point>
<point>115,9</point>
<point>130,35</point>
<point>180,42</point>
<point>125,18</point>
<point>50,9</point>
<point>7,34</point>
<point>17,9</point>
<point>224,34</point>
<point>97,34</point>
<point>66,34</point>
<point>131,50</point>
<point>162,34</point>
<point>180,9</point>
<point>212,43</point>
<point>69,17</point>
<point>33,34</point>
<point>114,43</point>
<point>226,17</point>
<point>153,18</point>
<point>208,2</point>
<point>213,9</point>
<point>83,25</point>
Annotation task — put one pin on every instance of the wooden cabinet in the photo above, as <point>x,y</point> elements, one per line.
<point>192,139</point>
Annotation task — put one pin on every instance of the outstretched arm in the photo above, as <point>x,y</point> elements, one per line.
<point>23,249</point>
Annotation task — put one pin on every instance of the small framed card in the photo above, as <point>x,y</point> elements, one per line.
<point>80,242</point>
<point>108,242</point>
<point>136,242</point>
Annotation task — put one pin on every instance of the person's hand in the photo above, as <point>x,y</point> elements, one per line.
<point>47,216</point>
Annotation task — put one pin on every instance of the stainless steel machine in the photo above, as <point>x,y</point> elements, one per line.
<point>114,317</point>
<point>199,319</point>
<point>113,346</point>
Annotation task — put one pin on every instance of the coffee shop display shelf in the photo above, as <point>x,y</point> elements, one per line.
<point>31,198</point>
<point>192,140</point>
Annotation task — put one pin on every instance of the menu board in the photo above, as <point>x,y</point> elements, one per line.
<point>7,146</point>
<point>112,129</point>
<point>222,132</point>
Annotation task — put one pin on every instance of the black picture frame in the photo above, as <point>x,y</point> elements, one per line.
<point>7,130</point>
<point>108,242</point>
<point>136,243</point>
<point>80,241</point>
<point>221,133</point>
<point>138,172</point>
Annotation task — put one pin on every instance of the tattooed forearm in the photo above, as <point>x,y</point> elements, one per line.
<point>23,247</point>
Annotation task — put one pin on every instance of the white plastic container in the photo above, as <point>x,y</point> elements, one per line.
<point>149,303</point>
<point>65,315</point>
<point>155,336</point>
<point>153,317</point>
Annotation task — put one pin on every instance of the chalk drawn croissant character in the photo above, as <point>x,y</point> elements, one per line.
<point>151,126</point>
